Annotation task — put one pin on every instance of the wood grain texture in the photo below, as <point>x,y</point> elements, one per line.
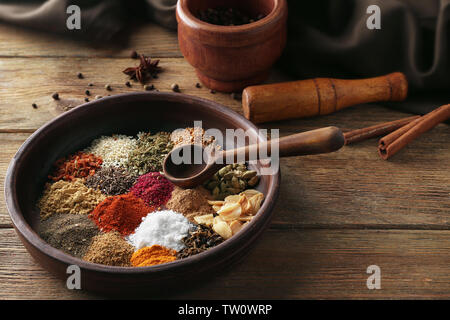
<point>21,87</point>
<point>336,215</point>
<point>294,264</point>
<point>149,39</point>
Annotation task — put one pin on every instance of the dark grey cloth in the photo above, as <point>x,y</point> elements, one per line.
<point>100,19</point>
<point>330,38</point>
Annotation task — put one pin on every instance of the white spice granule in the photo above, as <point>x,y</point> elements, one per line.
<point>114,150</point>
<point>166,228</point>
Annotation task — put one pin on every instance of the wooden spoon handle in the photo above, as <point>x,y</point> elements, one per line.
<point>320,96</point>
<point>317,141</point>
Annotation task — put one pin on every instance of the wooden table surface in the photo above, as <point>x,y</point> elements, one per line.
<point>336,215</point>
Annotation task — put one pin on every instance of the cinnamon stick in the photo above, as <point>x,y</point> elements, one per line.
<point>376,130</point>
<point>397,140</point>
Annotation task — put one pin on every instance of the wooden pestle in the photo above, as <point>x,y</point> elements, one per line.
<point>319,96</point>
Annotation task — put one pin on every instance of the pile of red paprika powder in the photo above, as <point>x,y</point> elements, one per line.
<point>122,213</point>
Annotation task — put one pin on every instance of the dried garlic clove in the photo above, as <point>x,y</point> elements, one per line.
<point>232,213</point>
<point>233,199</point>
<point>216,208</point>
<point>235,226</point>
<point>206,219</point>
<point>228,207</point>
<point>216,203</point>
<point>246,206</point>
<point>256,201</point>
<point>250,192</point>
<point>223,229</point>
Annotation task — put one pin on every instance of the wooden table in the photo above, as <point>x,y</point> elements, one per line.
<point>337,214</point>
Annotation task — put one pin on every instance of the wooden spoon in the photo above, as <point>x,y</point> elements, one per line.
<point>306,143</point>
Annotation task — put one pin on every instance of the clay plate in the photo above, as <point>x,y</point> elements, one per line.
<point>125,114</point>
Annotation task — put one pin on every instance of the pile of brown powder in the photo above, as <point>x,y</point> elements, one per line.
<point>190,202</point>
<point>68,232</point>
<point>109,249</point>
<point>68,197</point>
<point>194,135</point>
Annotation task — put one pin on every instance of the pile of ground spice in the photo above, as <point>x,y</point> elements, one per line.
<point>68,232</point>
<point>165,228</point>
<point>150,256</point>
<point>153,188</point>
<point>114,150</point>
<point>150,152</point>
<point>78,165</point>
<point>68,197</point>
<point>111,180</point>
<point>195,135</point>
<point>109,249</point>
<point>191,202</point>
<point>122,213</point>
<point>199,240</point>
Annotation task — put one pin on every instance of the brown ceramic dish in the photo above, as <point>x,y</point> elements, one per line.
<point>228,59</point>
<point>127,114</point>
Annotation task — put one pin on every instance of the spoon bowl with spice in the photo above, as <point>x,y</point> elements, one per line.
<point>191,173</point>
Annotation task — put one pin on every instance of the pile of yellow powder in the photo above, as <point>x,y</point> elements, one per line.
<point>68,197</point>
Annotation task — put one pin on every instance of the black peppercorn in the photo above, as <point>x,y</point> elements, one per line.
<point>80,75</point>
<point>55,96</point>
<point>175,87</point>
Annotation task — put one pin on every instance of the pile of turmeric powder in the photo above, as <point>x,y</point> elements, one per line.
<point>150,256</point>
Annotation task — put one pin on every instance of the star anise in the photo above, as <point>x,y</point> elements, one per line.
<point>147,68</point>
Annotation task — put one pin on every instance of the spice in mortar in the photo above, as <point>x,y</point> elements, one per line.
<point>150,256</point>
<point>228,16</point>
<point>78,165</point>
<point>68,197</point>
<point>165,228</point>
<point>153,188</point>
<point>200,239</point>
<point>109,249</point>
<point>122,213</point>
<point>231,180</point>
<point>69,233</point>
<point>190,202</point>
<point>111,181</point>
<point>150,152</point>
<point>114,150</point>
